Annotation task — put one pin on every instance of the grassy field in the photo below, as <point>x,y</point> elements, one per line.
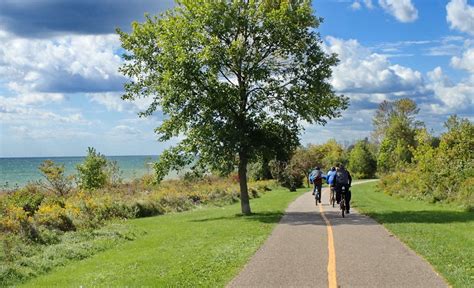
<point>442,234</point>
<point>205,247</point>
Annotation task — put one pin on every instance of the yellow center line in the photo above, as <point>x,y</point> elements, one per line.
<point>332,279</point>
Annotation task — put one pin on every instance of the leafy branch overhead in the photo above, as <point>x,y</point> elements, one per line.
<point>235,78</point>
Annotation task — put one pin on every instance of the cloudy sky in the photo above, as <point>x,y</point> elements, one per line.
<point>60,88</point>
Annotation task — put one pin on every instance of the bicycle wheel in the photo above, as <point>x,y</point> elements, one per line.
<point>343,206</point>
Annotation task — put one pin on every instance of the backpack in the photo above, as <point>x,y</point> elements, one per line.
<point>315,177</point>
<point>318,179</point>
<point>342,177</point>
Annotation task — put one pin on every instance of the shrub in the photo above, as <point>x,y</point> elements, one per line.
<point>15,220</point>
<point>29,198</point>
<point>92,172</point>
<point>287,175</point>
<point>441,172</point>
<point>54,216</point>
<point>114,174</point>
<point>58,182</point>
<point>362,163</point>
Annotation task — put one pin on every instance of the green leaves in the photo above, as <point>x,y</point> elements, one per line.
<point>231,76</point>
<point>395,129</point>
<point>58,182</point>
<point>92,172</point>
<point>362,162</point>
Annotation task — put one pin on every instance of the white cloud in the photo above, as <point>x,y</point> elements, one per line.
<point>466,61</point>
<point>123,130</point>
<point>110,100</point>
<point>76,63</point>
<point>113,102</point>
<point>356,5</point>
<point>24,110</point>
<point>361,71</point>
<point>460,16</point>
<point>403,10</point>
<point>39,98</point>
<point>23,132</point>
<point>456,96</point>
<point>368,4</point>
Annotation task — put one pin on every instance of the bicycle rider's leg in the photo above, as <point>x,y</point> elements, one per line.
<point>348,199</point>
<point>319,192</point>
<point>338,193</point>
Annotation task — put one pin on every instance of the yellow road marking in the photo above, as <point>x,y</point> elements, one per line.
<point>332,279</point>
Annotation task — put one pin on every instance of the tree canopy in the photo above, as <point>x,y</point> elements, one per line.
<point>395,128</point>
<point>234,80</point>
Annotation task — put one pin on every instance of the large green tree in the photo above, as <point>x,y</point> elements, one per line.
<point>362,162</point>
<point>395,128</point>
<point>233,78</point>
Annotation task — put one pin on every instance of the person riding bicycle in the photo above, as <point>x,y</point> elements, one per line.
<point>343,179</point>
<point>330,180</point>
<point>316,177</point>
<point>330,177</point>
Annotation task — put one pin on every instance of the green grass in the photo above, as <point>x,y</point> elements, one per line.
<point>204,247</point>
<point>442,234</point>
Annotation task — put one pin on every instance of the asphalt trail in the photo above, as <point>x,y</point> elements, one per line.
<point>313,246</point>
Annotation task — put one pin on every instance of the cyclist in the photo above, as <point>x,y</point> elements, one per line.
<point>343,178</point>
<point>330,178</point>
<point>316,178</point>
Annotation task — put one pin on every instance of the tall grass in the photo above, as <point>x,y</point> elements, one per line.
<point>40,230</point>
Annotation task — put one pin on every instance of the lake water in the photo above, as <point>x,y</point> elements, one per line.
<point>19,171</point>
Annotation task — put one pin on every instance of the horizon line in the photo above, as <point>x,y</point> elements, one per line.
<point>74,156</point>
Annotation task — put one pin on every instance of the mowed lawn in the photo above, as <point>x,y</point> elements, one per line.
<point>442,234</point>
<point>204,247</point>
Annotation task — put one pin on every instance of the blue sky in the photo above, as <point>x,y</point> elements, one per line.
<point>60,88</point>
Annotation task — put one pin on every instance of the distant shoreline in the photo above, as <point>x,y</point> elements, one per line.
<point>51,157</point>
<point>19,171</point>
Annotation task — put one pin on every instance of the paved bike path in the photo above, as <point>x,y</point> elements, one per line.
<point>366,255</point>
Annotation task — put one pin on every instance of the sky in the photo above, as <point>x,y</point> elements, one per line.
<point>60,87</point>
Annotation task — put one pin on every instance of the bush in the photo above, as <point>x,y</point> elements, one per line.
<point>54,216</point>
<point>29,198</point>
<point>92,172</point>
<point>287,175</point>
<point>438,173</point>
<point>58,182</point>
<point>362,163</point>
<point>39,231</point>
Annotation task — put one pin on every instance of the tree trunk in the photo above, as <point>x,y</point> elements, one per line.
<point>244,194</point>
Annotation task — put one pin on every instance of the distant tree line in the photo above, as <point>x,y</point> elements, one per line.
<point>410,160</point>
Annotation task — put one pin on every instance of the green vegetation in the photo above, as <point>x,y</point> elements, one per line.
<point>92,173</point>
<point>410,161</point>
<point>44,226</point>
<point>441,233</point>
<point>291,174</point>
<point>205,247</point>
<point>440,169</point>
<point>362,163</point>
<point>234,78</point>
<point>58,182</point>
<point>20,260</point>
<point>395,126</point>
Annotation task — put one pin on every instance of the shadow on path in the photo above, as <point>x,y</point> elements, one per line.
<point>297,218</point>
<point>264,217</point>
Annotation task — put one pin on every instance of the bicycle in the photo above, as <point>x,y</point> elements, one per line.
<point>317,196</point>
<point>342,204</point>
